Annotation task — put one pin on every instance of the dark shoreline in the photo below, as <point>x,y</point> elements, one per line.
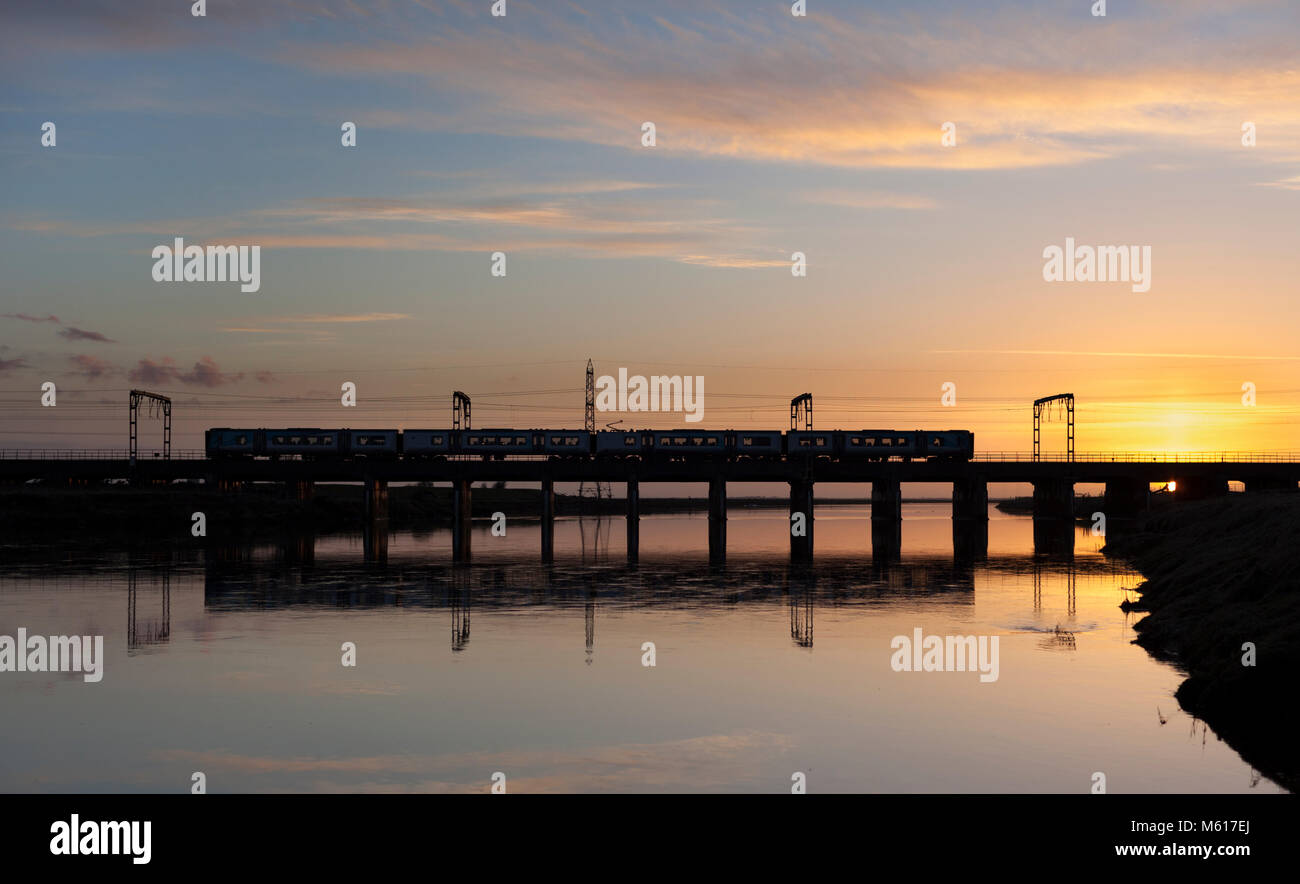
<point>1221,573</point>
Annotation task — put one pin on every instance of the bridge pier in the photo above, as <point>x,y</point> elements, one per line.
<point>1126,497</point>
<point>1054,499</point>
<point>303,490</point>
<point>801,502</point>
<point>633,520</point>
<point>886,500</point>
<point>461,519</point>
<point>970,500</point>
<point>374,537</point>
<point>548,520</point>
<point>1201,487</point>
<point>1254,486</point>
<point>717,519</point>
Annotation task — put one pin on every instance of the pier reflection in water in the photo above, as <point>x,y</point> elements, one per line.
<point>763,665</point>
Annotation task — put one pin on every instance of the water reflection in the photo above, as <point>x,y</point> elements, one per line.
<point>155,628</point>
<point>765,665</point>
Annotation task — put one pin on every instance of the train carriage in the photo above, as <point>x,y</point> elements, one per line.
<point>225,442</point>
<point>563,443</point>
<point>810,443</point>
<point>946,444</point>
<point>757,444</point>
<point>370,444</point>
<point>630,444</point>
<point>878,444</point>
<point>307,443</point>
<point>688,444</point>
<point>496,444</point>
<point>425,444</point>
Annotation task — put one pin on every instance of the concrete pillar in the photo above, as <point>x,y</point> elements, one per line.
<point>1200,487</point>
<point>1054,499</point>
<point>376,500</point>
<point>633,520</point>
<point>970,500</point>
<point>548,520</point>
<point>1126,498</point>
<point>801,502</point>
<point>461,513</point>
<point>300,490</point>
<point>717,519</point>
<point>1254,486</point>
<point>886,500</point>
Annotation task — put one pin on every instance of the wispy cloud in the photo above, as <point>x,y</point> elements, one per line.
<point>91,367</point>
<point>73,333</point>
<point>29,318</point>
<point>204,373</point>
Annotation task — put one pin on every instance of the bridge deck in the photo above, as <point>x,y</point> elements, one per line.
<point>1097,469</point>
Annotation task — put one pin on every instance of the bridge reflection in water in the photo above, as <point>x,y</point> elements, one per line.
<point>243,578</point>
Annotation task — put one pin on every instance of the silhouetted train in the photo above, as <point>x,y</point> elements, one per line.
<point>658,445</point>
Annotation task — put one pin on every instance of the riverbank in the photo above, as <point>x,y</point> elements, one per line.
<point>1221,576</point>
<point>1084,506</point>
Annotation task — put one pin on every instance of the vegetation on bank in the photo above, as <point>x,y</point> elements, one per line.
<point>1223,576</point>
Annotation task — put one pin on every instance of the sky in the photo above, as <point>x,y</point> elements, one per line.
<point>774,134</point>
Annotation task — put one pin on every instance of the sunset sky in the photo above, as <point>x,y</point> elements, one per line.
<point>775,134</point>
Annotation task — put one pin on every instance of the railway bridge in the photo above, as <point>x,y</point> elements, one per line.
<point>1126,476</point>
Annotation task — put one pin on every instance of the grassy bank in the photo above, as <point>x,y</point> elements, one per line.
<point>1220,574</point>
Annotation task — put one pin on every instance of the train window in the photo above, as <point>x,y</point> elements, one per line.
<point>900,441</point>
<point>473,440</point>
<point>937,442</point>
<point>871,441</point>
<point>570,440</point>
<point>435,440</point>
<point>241,440</point>
<point>821,441</point>
<point>804,441</point>
<point>887,442</point>
<point>629,441</point>
<point>713,440</point>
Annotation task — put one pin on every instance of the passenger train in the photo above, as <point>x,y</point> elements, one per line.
<point>646,445</point>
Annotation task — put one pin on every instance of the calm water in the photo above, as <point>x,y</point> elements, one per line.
<point>233,667</point>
